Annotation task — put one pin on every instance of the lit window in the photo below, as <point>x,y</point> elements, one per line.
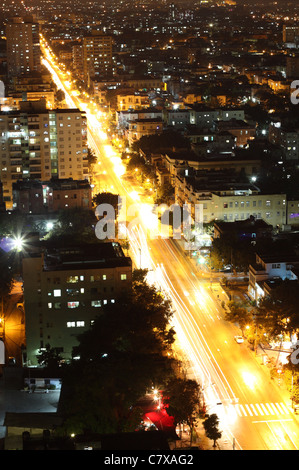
<point>96,303</point>
<point>70,324</point>
<point>72,279</point>
<point>74,304</point>
<point>80,323</point>
<point>57,292</point>
<point>123,277</point>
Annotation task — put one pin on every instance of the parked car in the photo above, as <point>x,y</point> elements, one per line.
<point>239,339</point>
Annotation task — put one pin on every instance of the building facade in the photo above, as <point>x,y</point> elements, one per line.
<point>38,197</point>
<point>37,143</point>
<point>64,291</point>
<point>269,269</point>
<point>231,202</point>
<point>97,55</point>
<point>143,127</point>
<point>23,47</point>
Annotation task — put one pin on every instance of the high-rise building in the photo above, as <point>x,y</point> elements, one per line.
<point>97,55</point>
<point>23,46</point>
<point>38,143</point>
<point>292,66</point>
<point>290,33</point>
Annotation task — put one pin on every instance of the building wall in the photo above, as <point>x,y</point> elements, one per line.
<point>263,271</point>
<point>23,49</point>
<point>42,145</point>
<point>42,197</point>
<point>97,55</point>
<point>62,304</point>
<point>234,205</point>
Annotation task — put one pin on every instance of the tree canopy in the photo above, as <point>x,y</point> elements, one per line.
<point>212,431</point>
<point>160,142</point>
<point>182,400</point>
<point>125,352</point>
<point>74,224</point>
<point>278,312</point>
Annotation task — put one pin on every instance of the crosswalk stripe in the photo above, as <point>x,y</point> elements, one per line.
<point>280,408</point>
<point>249,410</point>
<point>274,408</point>
<point>254,410</point>
<point>265,409</point>
<point>260,409</point>
<point>238,410</point>
<point>270,409</point>
<point>284,408</point>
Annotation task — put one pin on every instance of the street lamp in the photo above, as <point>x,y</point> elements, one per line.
<point>18,243</point>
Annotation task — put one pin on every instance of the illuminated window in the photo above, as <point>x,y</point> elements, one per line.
<point>57,292</point>
<point>74,304</point>
<point>96,303</point>
<point>70,324</point>
<point>80,323</point>
<point>72,279</point>
<point>123,277</point>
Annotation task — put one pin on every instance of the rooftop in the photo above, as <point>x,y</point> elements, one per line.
<point>87,256</point>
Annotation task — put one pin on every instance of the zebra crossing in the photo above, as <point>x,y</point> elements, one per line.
<point>258,409</point>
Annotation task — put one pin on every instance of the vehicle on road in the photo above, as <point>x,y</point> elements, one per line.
<point>239,339</point>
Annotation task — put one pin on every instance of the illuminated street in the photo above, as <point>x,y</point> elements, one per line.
<point>254,413</point>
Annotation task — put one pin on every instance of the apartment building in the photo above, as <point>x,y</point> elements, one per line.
<point>177,118</point>
<point>186,163</point>
<point>292,66</point>
<point>77,58</point>
<point>293,212</point>
<point>65,289</point>
<point>40,197</point>
<point>287,138</point>
<point>241,130</point>
<point>229,200</point>
<point>97,55</point>
<point>38,143</point>
<point>143,127</point>
<point>268,270</point>
<point>123,118</point>
<point>23,46</point>
<point>290,33</point>
<point>203,116</point>
<point>131,100</point>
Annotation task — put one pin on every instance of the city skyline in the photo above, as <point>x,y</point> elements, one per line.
<point>149,198</point>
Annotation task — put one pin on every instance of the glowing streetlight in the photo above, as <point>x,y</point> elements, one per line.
<point>18,243</point>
